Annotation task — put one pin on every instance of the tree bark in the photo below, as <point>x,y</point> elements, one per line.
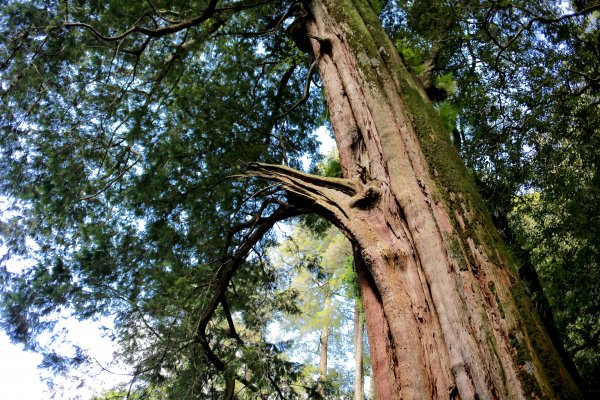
<point>447,317</point>
<point>380,344</point>
<point>359,328</point>
<point>229,389</point>
<point>324,340</point>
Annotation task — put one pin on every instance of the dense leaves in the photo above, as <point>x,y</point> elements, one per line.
<point>117,164</point>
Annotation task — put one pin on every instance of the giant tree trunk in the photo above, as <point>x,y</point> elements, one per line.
<point>446,314</point>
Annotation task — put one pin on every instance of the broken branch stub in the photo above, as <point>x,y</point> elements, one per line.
<point>336,199</point>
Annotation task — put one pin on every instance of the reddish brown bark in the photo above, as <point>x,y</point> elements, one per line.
<point>382,359</point>
<point>446,314</point>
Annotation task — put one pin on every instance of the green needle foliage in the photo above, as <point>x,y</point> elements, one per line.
<point>117,168</point>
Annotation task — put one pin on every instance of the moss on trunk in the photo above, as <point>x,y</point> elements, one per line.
<point>440,290</point>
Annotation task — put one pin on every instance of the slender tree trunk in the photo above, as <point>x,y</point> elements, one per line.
<point>324,340</point>
<point>447,316</point>
<point>359,328</point>
<point>229,390</point>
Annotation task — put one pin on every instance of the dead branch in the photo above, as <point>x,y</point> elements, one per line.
<point>281,173</point>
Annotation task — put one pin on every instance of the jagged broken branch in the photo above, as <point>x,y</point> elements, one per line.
<point>282,174</point>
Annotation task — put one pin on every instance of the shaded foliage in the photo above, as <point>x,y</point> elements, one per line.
<point>116,166</point>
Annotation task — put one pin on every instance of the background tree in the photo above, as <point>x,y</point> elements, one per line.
<point>319,269</point>
<point>359,353</point>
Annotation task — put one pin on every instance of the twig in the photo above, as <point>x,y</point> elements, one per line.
<point>109,184</point>
<point>306,93</point>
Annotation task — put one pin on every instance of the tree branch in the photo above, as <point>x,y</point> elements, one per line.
<point>232,331</point>
<point>228,269</point>
<point>589,343</point>
<point>278,172</point>
<point>333,198</point>
<point>305,95</point>
<point>160,15</point>
<point>276,387</point>
<point>155,33</point>
<point>270,29</point>
<point>542,20</point>
<point>112,181</point>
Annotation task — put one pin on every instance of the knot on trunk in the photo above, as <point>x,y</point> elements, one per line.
<point>367,198</point>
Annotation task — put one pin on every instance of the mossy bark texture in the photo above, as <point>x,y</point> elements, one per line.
<point>446,315</point>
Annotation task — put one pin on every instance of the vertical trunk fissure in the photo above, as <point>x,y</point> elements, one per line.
<point>385,370</point>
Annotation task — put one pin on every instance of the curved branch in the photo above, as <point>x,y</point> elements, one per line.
<point>112,181</point>
<point>242,5</point>
<point>160,15</point>
<point>270,29</point>
<point>228,268</point>
<point>285,78</point>
<point>155,33</point>
<point>275,386</point>
<point>589,343</point>
<point>305,95</point>
<point>277,103</point>
<point>232,331</point>
<point>250,224</point>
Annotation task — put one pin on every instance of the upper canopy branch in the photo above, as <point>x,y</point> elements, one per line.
<point>173,26</point>
<point>530,23</point>
<point>155,33</point>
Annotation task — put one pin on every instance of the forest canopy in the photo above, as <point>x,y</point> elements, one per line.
<point>127,133</point>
